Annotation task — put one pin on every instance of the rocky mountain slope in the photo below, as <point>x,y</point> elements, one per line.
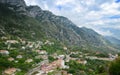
<point>113,40</point>
<point>14,2</point>
<point>33,23</point>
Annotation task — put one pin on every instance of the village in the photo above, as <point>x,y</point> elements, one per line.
<point>46,65</point>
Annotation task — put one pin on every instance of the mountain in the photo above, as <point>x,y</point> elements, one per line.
<point>33,23</point>
<point>113,40</point>
<point>14,2</point>
<point>115,32</point>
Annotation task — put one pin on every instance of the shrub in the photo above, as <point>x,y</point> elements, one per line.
<point>114,68</point>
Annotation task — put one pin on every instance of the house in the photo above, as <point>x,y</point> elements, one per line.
<point>42,52</point>
<point>82,61</point>
<point>65,48</point>
<point>12,41</point>
<point>11,59</point>
<point>23,48</point>
<point>60,63</point>
<point>64,72</point>
<point>73,59</point>
<point>30,44</point>
<point>38,44</point>
<point>48,42</point>
<point>69,74</point>
<point>45,57</point>
<point>61,56</point>
<point>112,57</point>
<point>10,71</point>
<point>19,56</point>
<point>47,68</point>
<point>29,60</point>
<point>74,53</point>
<point>4,52</point>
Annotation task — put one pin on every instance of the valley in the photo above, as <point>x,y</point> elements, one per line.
<point>34,41</point>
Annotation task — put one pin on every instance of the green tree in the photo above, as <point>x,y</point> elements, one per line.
<point>114,68</point>
<point>51,59</point>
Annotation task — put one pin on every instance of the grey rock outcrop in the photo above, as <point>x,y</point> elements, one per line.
<point>20,5</point>
<point>14,2</point>
<point>34,10</point>
<point>46,24</point>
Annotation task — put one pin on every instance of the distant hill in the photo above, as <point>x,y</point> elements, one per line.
<point>113,40</point>
<point>33,23</point>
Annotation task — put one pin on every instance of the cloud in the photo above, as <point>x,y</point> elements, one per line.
<point>105,33</point>
<point>95,14</point>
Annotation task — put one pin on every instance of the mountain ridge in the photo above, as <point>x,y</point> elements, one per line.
<point>36,23</point>
<point>113,38</point>
<point>14,2</point>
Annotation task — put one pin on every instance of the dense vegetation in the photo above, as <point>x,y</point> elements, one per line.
<point>114,68</point>
<point>93,67</point>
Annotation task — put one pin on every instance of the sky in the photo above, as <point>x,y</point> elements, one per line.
<point>103,16</point>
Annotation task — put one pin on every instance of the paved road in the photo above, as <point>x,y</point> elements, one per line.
<point>96,58</point>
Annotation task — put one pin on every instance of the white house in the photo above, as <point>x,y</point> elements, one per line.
<point>12,41</point>
<point>29,60</point>
<point>42,52</point>
<point>19,56</point>
<point>4,52</point>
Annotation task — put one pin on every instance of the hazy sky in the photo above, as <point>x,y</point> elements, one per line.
<point>101,15</point>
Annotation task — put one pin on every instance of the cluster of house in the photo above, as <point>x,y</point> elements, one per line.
<point>50,67</point>
<point>112,57</point>
<point>5,52</point>
<point>59,63</point>
<point>12,41</point>
<point>49,42</point>
<point>42,52</point>
<point>9,42</point>
<point>82,61</point>
<point>27,44</point>
<point>10,71</point>
<point>45,68</point>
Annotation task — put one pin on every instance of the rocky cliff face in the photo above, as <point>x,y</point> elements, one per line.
<point>60,28</point>
<point>34,10</point>
<point>16,5</point>
<point>14,2</point>
<point>38,23</point>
